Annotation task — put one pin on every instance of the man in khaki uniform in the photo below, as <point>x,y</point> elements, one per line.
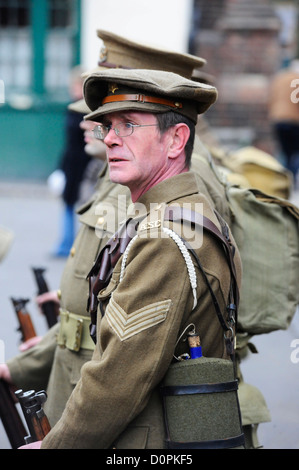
<point>56,367</point>
<point>150,298</point>
<point>47,365</point>
<point>63,363</point>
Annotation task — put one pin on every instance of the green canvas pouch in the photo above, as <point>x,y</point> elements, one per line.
<point>201,408</point>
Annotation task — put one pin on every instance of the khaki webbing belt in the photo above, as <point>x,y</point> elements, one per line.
<point>74,331</point>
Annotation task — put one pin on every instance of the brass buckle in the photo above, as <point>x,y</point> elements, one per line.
<point>140,98</point>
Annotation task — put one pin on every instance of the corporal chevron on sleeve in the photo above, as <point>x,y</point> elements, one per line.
<point>126,325</point>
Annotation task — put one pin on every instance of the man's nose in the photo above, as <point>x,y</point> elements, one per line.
<point>112,138</point>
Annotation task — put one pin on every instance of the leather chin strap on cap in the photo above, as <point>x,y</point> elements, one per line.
<point>142,99</point>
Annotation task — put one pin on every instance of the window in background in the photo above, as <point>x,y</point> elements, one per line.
<point>39,45</point>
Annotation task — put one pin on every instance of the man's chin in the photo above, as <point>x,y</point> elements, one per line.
<point>117,177</point>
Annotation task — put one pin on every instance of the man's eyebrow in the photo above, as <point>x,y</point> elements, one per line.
<point>105,122</point>
<point>122,118</point>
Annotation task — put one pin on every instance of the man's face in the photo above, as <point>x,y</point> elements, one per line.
<point>94,147</point>
<point>138,161</point>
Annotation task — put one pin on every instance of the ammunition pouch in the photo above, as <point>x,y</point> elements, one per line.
<point>201,407</point>
<point>74,331</point>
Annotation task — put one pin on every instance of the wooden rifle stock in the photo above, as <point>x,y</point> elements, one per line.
<point>31,403</point>
<point>26,326</point>
<point>48,308</point>
<point>10,417</point>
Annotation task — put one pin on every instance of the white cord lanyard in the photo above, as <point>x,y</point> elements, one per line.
<point>183,250</point>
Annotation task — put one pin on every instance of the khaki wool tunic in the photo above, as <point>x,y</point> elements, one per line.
<point>116,401</point>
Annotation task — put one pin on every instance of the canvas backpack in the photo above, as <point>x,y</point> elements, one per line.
<point>266,231</point>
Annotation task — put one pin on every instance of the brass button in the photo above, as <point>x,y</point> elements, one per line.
<point>72,251</point>
<point>100,221</point>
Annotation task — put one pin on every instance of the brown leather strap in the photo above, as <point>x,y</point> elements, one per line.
<point>101,272</point>
<point>141,99</point>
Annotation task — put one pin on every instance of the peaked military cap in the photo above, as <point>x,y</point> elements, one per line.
<point>151,91</point>
<point>118,52</point>
<point>79,106</point>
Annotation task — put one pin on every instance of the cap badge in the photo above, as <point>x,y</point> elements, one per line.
<point>113,87</point>
<point>103,54</point>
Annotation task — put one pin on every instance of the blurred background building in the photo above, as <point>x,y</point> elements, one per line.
<point>39,44</point>
<point>244,42</point>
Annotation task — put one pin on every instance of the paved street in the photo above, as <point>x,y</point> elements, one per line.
<point>34,216</point>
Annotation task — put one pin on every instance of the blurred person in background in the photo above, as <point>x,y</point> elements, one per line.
<point>96,150</point>
<point>73,163</point>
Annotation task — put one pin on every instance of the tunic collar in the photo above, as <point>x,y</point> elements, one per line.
<point>169,190</point>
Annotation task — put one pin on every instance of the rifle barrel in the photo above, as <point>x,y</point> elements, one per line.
<point>26,326</point>
<point>10,417</point>
<point>48,308</point>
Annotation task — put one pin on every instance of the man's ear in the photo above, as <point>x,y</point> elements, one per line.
<point>180,136</point>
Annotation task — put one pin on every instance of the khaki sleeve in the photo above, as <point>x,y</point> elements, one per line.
<point>31,369</point>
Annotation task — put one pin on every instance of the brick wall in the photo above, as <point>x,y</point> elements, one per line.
<point>240,41</point>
